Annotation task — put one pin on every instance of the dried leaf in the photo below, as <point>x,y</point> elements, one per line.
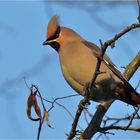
<point>29,105</point>
<point>46,114</point>
<point>32,102</point>
<point>37,109</point>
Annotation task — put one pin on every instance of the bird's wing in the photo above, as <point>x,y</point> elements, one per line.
<point>96,50</point>
<point>107,61</point>
<point>118,74</point>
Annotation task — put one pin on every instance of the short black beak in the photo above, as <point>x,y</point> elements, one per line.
<point>52,43</point>
<point>46,42</point>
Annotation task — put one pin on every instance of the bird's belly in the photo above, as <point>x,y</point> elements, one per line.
<point>75,84</point>
<point>99,94</point>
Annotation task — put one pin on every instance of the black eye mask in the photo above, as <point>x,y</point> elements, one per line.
<point>55,45</point>
<point>56,35</point>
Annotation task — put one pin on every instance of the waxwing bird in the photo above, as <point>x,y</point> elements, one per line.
<point>78,59</point>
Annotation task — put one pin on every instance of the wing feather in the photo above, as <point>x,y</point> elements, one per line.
<point>107,61</point>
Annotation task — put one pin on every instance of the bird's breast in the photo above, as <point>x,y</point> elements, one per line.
<point>77,67</point>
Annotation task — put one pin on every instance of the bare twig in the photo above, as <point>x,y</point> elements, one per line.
<point>117,120</point>
<point>132,118</point>
<point>117,36</point>
<point>88,112</point>
<point>119,128</point>
<point>40,97</point>
<point>60,98</point>
<point>68,113</point>
<point>129,118</point>
<point>139,10</point>
<point>40,127</point>
<point>138,84</point>
<point>55,102</point>
<point>85,116</point>
<point>76,118</point>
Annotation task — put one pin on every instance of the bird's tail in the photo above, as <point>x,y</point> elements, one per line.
<point>127,94</point>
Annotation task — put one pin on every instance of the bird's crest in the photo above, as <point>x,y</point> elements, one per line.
<point>52,26</point>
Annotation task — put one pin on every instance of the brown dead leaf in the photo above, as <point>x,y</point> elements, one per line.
<point>46,114</point>
<point>32,102</point>
<point>37,109</point>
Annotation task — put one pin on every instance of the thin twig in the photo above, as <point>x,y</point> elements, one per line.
<point>68,113</point>
<point>85,116</point>
<point>138,84</point>
<point>129,118</point>
<point>132,118</point>
<point>119,128</point>
<point>119,35</point>
<point>59,98</point>
<point>40,97</point>
<point>89,113</point>
<point>39,129</point>
<point>55,102</point>
<point>119,119</point>
<point>138,10</point>
<point>24,78</point>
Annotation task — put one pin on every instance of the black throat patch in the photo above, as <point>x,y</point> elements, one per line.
<point>55,45</point>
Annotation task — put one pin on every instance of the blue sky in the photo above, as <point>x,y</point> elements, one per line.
<point>22,31</point>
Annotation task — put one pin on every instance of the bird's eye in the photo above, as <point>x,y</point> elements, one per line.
<point>56,35</point>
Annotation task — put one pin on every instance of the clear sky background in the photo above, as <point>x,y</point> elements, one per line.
<point>22,31</point>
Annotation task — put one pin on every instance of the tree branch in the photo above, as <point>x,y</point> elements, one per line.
<point>94,125</point>
<point>139,10</point>
<point>117,36</point>
<point>119,128</point>
<point>81,106</point>
<point>132,67</point>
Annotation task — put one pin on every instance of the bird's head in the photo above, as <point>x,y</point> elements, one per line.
<point>58,36</point>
